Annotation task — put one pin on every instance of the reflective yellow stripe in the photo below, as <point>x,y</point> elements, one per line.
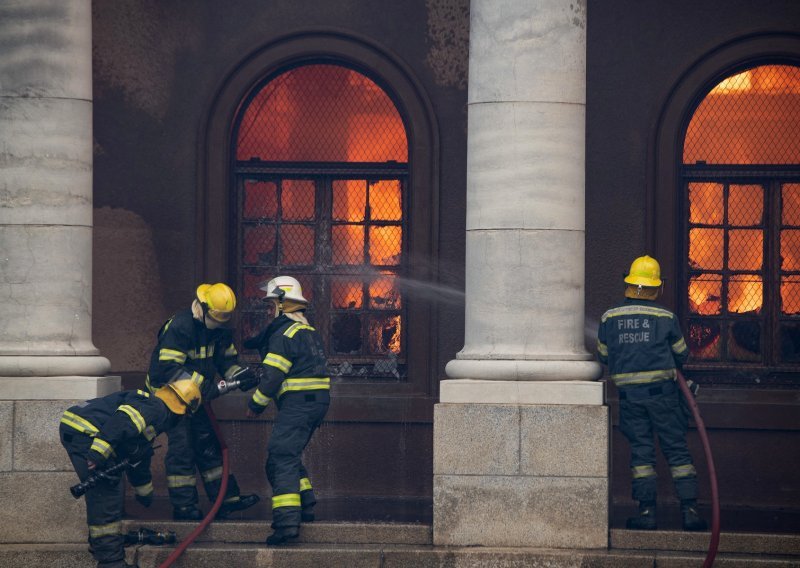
<point>260,398</point>
<point>135,416</point>
<point>277,361</point>
<point>305,484</point>
<point>637,311</point>
<point>206,352</point>
<point>623,379</point>
<point>286,500</point>
<point>145,489</point>
<point>143,393</point>
<point>101,447</point>
<point>602,348</point>
<point>679,346</point>
<point>316,383</point>
<point>232,370</point>
<point>96,531</point>
<point>641,471</point>
<point>212,474</point>
<point>172,355</point>
<point>174,481</point>
<point>197,378</point>
<point>686,470</point>
<point>231,351</point>
<point>80,424</point>
<point>234,499</point>
<point>147,383</point>
<point>295,327</point>
<point>150,433</point>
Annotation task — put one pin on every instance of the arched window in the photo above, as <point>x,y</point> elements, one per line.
<point>321,176</point>
<point>741,212</point>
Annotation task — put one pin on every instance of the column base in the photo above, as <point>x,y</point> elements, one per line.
<point>524,370</point>
<point>517,474</point>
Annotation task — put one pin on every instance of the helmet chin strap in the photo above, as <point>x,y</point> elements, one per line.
<point>280,294</point>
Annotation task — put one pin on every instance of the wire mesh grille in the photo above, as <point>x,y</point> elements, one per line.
<point>322,113</point>
<point>749,118</point>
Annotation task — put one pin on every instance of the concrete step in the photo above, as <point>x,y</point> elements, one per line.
<point>729,542</point>
<point>211,555</point>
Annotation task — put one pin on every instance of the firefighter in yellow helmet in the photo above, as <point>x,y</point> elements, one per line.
<point>642,344</point>
<point>294,374</point>
<point>100,433</point>
<point>195,344</point>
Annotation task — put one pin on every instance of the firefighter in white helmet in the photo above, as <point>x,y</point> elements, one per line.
<point>294,374</point>
<point>195,344</point>
<point>642,344</point>
<point>99,434</point>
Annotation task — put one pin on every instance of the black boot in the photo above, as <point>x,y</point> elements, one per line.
<point>188,513</point>
<point>282,535</point>
<point>646,520</point>
<point>692,521</point>
<point>244,502</point>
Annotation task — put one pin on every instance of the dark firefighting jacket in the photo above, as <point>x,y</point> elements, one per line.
<point>293,360</point>
<point>188,349</point>
<point>641,342</point>
<point>123,425</point>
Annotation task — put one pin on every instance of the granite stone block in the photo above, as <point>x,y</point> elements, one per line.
<point>480,439</point>
<point>36,442</point>
<point>6,435</point>
<point>568,441</point>
<point>543,512</point>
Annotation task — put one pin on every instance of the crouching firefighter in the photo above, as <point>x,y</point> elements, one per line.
<point>294,374</point>
<point>194,345</point>
<point>101,433</point>
<point>642,344</point>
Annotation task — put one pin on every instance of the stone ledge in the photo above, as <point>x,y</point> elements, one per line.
<point>472,391</point>
<point>57,388</point>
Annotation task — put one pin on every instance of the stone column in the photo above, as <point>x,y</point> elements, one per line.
<point>521,433</point>
<point>47,359</point>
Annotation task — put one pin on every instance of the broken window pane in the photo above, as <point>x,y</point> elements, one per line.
<point>745,249</point>
<point>705,203</point>
<point>384,334</point>
<point>297,200</point>
<point>704,340</point>
<point>348,244</point>
<point>744,341</point>
<point>790,342</point>
<point>705,249</point>
<point>260,200</point>
<point>259,244</point>
<point>346,333</point>
<point>705,294</point>
<point>745,204</point>
<point>383,294</point>
<point>349,200</point>
<point>347,293</point>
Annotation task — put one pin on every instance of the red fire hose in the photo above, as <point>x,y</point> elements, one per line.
<point>220,498</point>
<point>712,473</point>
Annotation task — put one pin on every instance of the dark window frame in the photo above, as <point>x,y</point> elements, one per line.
<point>410,400</point>
<point>665,187</point>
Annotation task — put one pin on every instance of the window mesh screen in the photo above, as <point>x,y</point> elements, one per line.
<point>743,237</point>
<point>322,113</point>
<point>749,118</point>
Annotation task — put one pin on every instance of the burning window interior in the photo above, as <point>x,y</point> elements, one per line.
<point>741,168</point>
<point>321,170</point>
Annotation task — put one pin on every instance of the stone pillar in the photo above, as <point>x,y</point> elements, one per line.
<point>521,433</point>
<point>47,359</point>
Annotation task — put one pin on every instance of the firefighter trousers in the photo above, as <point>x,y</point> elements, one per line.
<point>104,503</point>
<point>193,446</point>
<point>657,409</point>
<point>300,414</point>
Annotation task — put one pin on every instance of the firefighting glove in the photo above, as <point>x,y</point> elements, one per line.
<point>694,388</point>
<point>144,500</point>
<point>248,379</point>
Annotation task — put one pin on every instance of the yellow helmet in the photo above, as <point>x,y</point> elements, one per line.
<point>180,395</point>
<point>219,298</point>
<point>645,271</point>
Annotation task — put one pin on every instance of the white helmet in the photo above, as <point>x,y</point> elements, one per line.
<point>284,288</point>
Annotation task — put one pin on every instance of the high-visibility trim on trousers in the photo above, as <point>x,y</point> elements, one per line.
<point>79,423</point>
<point>305,484</point>
<point>686,470</point>
<point>96,531</point>
<point>145,489</point>
<point>286,500</point>
<point>641,471</point>
<point>175,481</point>
<point>212,474</point>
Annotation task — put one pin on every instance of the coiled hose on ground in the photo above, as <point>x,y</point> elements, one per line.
<point>712,473</point>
